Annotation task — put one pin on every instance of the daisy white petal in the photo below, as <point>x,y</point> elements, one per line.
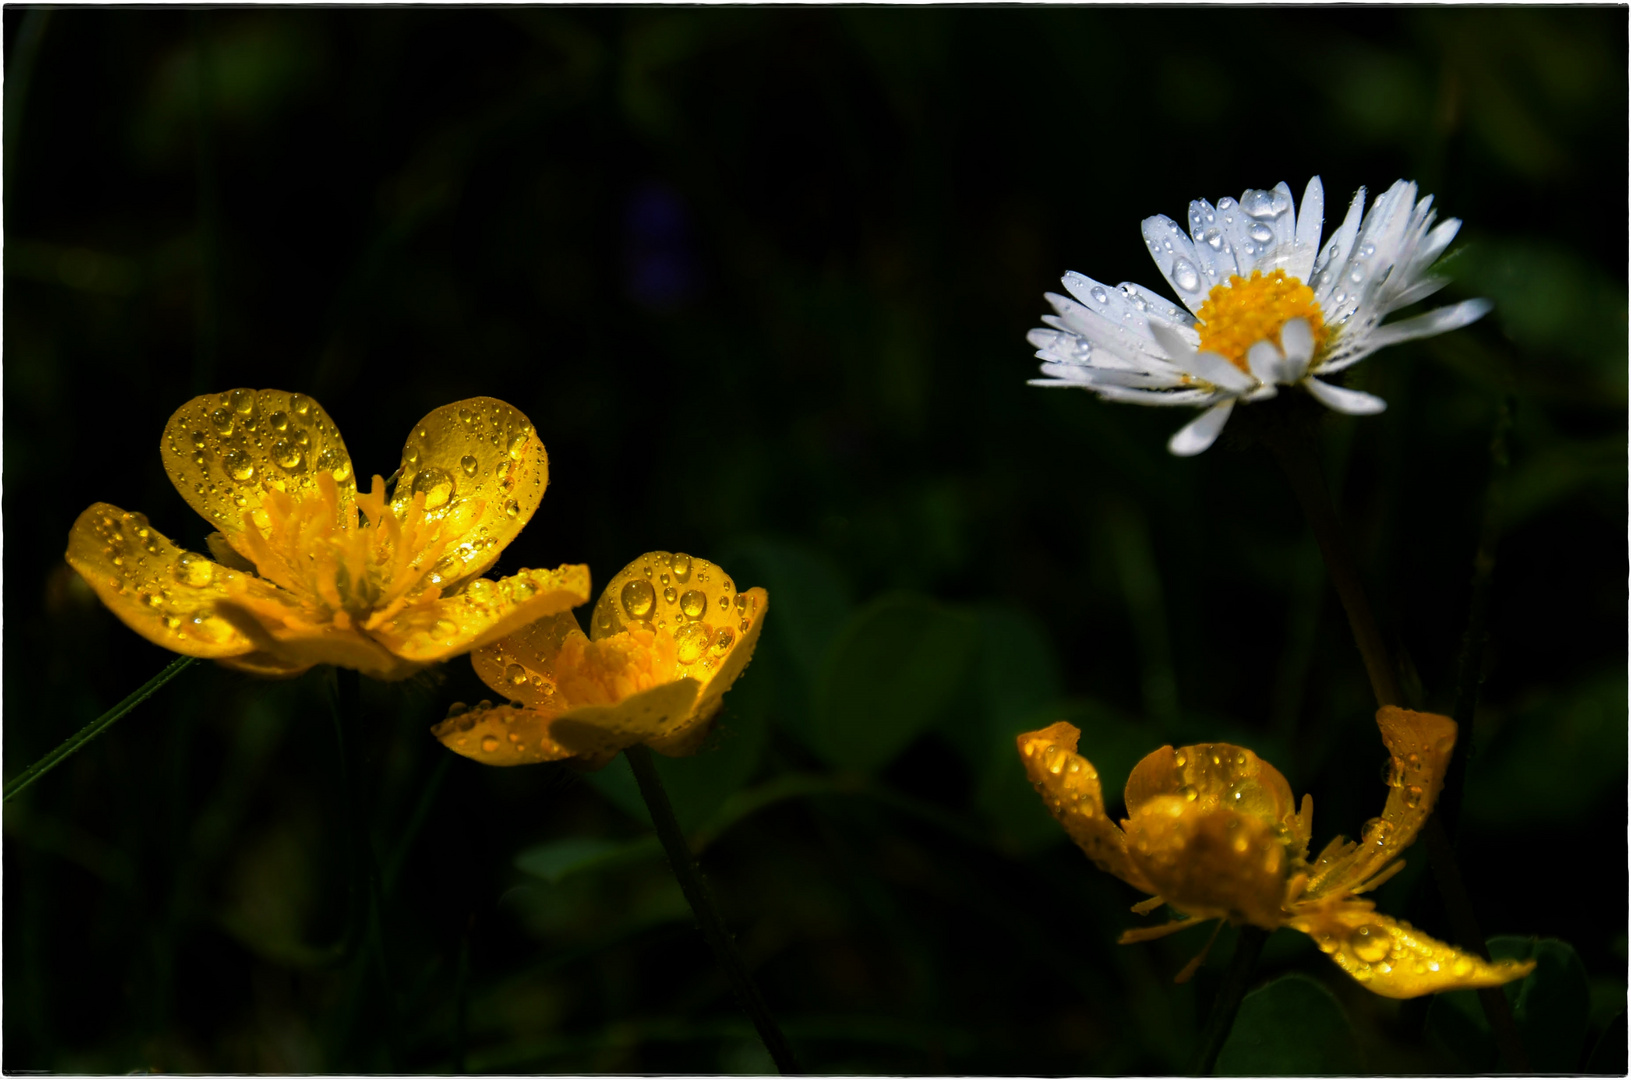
<point>1310,220</point>
<point>1297,339</point>
<point>1157,397</point>
<point>1266,363</point>
<point>1202,431</point>
<point>1175,255</point>
<point>1437,321</point>
<point>1337,249</point>
<point>1213,253</point>
<point>1343,400</point>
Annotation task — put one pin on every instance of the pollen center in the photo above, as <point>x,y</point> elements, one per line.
<point>1238,315</point>
<point>607,671</point>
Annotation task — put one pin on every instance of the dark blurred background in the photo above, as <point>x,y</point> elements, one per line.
<point>762,278</point>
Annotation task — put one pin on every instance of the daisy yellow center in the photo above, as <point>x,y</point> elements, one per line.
<point>1238,315</point>
<point>353,573</point>
<point>607,671</point>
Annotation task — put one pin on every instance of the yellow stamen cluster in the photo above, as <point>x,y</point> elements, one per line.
<point>360,573</point>
<point>605,672</point>
<point>1238,315</point>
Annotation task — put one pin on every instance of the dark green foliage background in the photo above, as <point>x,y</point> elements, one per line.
<point>762,278</point>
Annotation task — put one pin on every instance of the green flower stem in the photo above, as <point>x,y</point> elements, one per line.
<point>709,920</point>
<point>1236,978</point>
<point>1299,460</point>
<point>74,743</point>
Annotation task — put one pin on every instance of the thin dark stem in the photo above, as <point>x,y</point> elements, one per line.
<point>1236,978</point>
<point>76,742</point>
<point>1301,465</point>
<point>709,920</point>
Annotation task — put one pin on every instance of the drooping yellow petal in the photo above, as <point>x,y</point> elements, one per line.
<point>501,735</point>
<point>504,735</point>
<point>165,594</point>
<point>1069,786</point>
<point>1392,958</point>
<point>280,625</point>
<point>521,665</point>
<point>224,451</point>
<point>1213,775</point>
<point>1210,863</point>
<point>481,453</point>
<point>483,612</point>
<point>1421,744</point>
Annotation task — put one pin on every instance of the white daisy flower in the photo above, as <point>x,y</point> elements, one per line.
<point>1268,307</point>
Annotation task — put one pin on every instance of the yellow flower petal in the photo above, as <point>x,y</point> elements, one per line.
<point>504,735</point>
<point>224,451</point>
<point>485,611</point>
<point>731,649</point>
<point>280,626</point>
<point>482,453</point>
<point>521,665</point>
<point>1393,959</point>
<point>165,594</point>
<point>1421,744</point>
<point>1210,861</point>
<point>1069,785</point>
<point>1213,775</point>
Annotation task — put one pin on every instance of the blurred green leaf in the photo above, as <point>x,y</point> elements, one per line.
<point>1292,1027</point>
<point>1609,1055</point>
<point>810,597</point>
<point>1550,301</point>
<point>560,859</point>
<point>1551,1005</point>
<point>895,668</point>
<point>1578,733</point>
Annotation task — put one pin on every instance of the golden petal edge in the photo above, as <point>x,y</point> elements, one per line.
<point>167,595</point>
<point>482,613</point>
<point>1069,786</point>
<point>1392,958</point>
<point>477,452</point>
<point>221,448</point>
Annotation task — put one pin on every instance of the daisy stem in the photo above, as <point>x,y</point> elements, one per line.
<point>709,920</point>
<point>1299,460</point>
<point>1236,978</point>
<point>76,742</point>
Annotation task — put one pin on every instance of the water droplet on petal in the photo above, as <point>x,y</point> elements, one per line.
<point>194,570</point>
<point>1260,232</point>
<point>288,455</point>
<point>1413,797</point>
<point>669,594</point>
<point>1188,792</point>
<point>239,465</point>
<point>638,597</point>
<point>690,641</point>
<point>435,484</point>
<point>693,603</point>
<point>682,568</point>
<point>223,421</point>
<point>516,674</point>
<point>1184,275</point>
<point>489,743</point>
<point>1100,295</point>
<point>723,638</point>
<point>1263,204</point>
<point>1370,943</point>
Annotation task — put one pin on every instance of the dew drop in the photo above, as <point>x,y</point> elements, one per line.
<point>669,594</point>
<point>288,455</point>
<point>1413,797</point>
<point>1264,204</point>
<point>693,603</point>
<point>239,465</point>
<point>336,463</point>
<point>1260,232</point>
<point>194,570</point>
<point>1370,943</point>
<point>243,402</point>
<point>512,509</point>
<point>435,484</point>
<point>682,567</point>
<point>466,417</point>
<point>301,404</point>
<point>468,464</point>
<point>489,743</point>
<point>223,421</point>
<point>481,591</point>
<point>516,674</point>
<point>1100,295</point>
<point>518,444</point>
<point>1188,792</point>
<point>723,637</point>
<point>279,421</point>
<point>1184,275</point>
<point>1214,238</point>
<point>638,598</point>
<point>690,641</point>
<point>1180,759</point>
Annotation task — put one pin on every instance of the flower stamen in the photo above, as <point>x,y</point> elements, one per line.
<point>1238,315</point>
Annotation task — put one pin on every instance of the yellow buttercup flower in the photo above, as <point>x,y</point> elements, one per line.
<point>668,637</point>
<point>1213,832</point>
<point>308,570</point>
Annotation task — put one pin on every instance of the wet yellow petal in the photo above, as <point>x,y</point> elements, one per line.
<point>501,735</point>
<point>1421,744</point>
<point>225,451</point>
<point>281,626</point>
<point>521,665</point>
<point>730,650</point>
<point>1210,862</point>
<point>1069,785</point>
<point>504,735</point>
<point>266,665</point>
<point>165,594</point>
<point>485,611</point>
<point>1213,775</point>
<point>1393,959</point>
<point>479,453</point>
